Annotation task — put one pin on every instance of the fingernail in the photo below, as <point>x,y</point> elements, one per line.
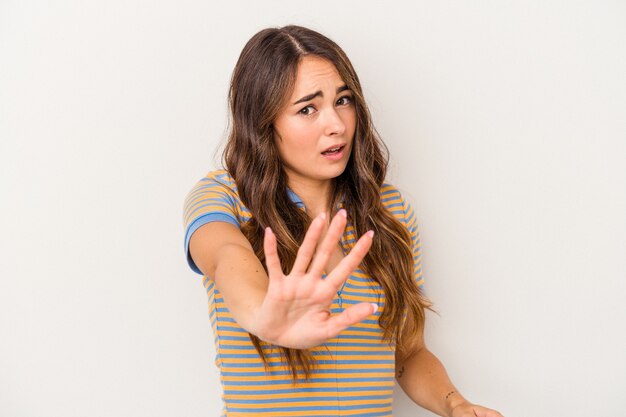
<point>268,231</point>
<point>322,215</point>
<point>375,307</point>
<point>370,233</point>
<point>343,213</point>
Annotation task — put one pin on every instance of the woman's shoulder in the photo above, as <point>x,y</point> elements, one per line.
<point>216,192</point>
<point>215,186</point>
<point>390,195</point>
<point>221,179</point>
<point>394,201</point>
<point>221,176</point>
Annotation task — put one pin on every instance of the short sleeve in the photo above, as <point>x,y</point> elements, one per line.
<point>210,200</point>
<point>414,230</point>
<point>401,209</point>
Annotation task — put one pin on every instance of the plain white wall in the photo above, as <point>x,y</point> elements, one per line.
<point>506,124</point>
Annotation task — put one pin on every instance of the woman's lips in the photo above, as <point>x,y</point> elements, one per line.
<point>334,153</point>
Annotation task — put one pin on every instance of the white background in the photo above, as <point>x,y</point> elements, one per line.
<point>507,127</point>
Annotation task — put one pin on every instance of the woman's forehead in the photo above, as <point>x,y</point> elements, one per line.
<point>315,73</point>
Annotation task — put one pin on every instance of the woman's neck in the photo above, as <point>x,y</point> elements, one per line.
<point>314,194</point>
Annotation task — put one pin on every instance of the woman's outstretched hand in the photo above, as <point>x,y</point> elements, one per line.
<point>296,310</point>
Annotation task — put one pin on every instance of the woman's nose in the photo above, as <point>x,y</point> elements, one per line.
<point>334,123</point>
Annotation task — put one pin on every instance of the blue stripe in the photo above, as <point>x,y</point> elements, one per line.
<point>342,362</point>
<point>237,338</point>
<point>308,408</point>
<point>195,225</point>
<point>303,389</point>
<point>315,372</point>
<point>392,207</point>
<point>315,353</point>
<point>232,329</point>
<point>310,399</point>
<point>312,380</point>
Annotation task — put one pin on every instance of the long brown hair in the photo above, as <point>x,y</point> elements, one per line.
<point>262,80</point>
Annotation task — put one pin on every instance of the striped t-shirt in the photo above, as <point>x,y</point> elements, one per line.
<point>354,375</point>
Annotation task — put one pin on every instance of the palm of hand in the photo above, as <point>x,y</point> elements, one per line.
<point>296,310</point>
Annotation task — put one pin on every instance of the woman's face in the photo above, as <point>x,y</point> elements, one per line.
<point>315,128</point>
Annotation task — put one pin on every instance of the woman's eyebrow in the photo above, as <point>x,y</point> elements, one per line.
<point>319,94</point>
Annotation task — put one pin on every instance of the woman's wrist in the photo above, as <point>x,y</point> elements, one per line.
<point>452,400</point>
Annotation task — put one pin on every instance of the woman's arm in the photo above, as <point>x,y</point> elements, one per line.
<point>287,310</point>
<point>222,252</point>
<point>424,379</point>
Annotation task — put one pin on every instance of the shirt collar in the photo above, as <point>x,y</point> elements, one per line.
<point>295,198</point>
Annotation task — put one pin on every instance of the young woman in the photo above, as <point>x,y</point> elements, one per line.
<point>310,261</point>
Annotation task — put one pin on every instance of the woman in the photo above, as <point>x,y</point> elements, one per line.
<point>311,262</point>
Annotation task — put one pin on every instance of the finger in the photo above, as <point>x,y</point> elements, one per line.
<point>272,261</point>
<point>349,317</point>
<point>328,245</point>
<point>307,249</point>
<point>348,264</point>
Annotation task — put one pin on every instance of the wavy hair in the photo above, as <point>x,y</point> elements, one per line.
<point>262,81</point>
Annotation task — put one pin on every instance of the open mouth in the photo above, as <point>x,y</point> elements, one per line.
<point>333,150</point>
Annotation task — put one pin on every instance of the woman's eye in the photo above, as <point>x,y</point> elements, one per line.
<point>307,111</point>
<point>344,101</point>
